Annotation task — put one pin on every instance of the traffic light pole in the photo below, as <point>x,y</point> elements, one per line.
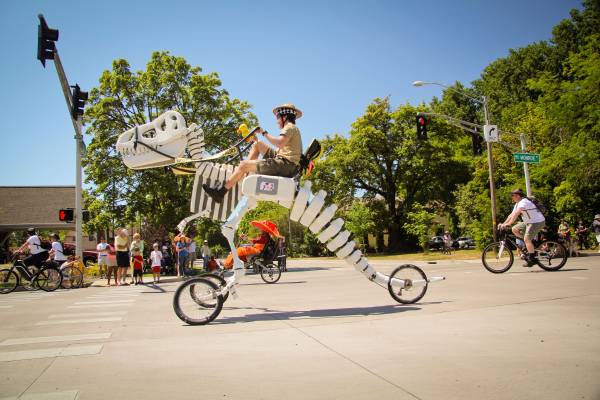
<point>491,172</point>
<point>78,126</point>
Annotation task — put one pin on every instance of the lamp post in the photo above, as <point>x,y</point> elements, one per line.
<point>484,103</point>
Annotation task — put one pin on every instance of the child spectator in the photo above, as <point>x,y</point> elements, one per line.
<point>103,249</point>
<point>155,261</point>
<point>136,250</point>
<point>212,264</point>
<point>138,265</point>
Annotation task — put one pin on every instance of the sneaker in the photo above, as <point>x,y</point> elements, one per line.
<point>217,194</point>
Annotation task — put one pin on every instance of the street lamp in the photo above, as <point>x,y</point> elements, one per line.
<point>484,103</point>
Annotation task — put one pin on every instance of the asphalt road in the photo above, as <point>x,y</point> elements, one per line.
<point>322,332</point>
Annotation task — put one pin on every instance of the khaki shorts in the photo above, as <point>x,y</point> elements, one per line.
<point>530,230</point>
<point>275,165</point>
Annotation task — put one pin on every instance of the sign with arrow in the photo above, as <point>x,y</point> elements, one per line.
<point>490,133</point>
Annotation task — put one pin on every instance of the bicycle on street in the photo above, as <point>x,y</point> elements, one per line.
<point>47,278</point>
<point>498,257</point>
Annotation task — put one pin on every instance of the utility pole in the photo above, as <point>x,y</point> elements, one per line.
<point>75,103</point>
<point>525,166</point>
<point>491,172</point>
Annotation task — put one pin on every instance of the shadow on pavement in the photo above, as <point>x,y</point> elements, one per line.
<point>269,315</point>
<point>537,271</point>
<point>278,283</point>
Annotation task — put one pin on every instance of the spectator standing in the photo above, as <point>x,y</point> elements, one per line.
<point>122,248</point>
<point>213,265</point>
<point>182,253</point>
<point>136,250</point>
<point>205,254</point>
<point>155,262</point>
<point>57,252</point>
<point>103,249</point>
<point>282,256</point>
<point>191,252</point>
<point>581,232</point>
<point>596,229</point>
<point>447,241</point>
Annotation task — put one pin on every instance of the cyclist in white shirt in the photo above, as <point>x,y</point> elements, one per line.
<point>37,254</point>
<point>57,253</point>
<point>533,222</point>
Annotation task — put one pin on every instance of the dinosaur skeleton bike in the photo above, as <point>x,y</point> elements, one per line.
<point>198,301</point>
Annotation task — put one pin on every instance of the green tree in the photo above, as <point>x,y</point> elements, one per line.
<point>123,99</point>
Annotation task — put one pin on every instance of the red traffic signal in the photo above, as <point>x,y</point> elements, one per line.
<point>422,123</point>
<point>65,215</point>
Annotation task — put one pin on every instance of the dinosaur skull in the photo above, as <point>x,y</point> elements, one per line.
<point>166,134</point>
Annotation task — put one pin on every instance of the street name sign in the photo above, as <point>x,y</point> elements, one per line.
<point>530,158</point>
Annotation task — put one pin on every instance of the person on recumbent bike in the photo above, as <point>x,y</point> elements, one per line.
<point>285,161</point>
<point>246,252</point>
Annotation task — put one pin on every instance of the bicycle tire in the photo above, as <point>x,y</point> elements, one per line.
<point>48,279</point>
<point>72,278</point>
<point>218,280</point>
<point>9,280</point>
<point>553,251</point>
<point>270,273</point>
<point>209,289</point>
<point>402,273</point>
<point>496,262</point>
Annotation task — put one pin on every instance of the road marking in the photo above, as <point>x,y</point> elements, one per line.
<point>50,339</point>
<point>66,395</point>
<point>113,296</point>
<point>91,314</point>
<point>6,306</point>
<point>79,321</point>
<point>105,302</point>
<point>103,306</point>
<point>47,353</point>
<point>578,277</point>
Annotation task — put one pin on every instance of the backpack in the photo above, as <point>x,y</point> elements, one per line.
<point>538,204</point>
<point>44,244</point>
<point>307,159</point>
<point>67,251</point>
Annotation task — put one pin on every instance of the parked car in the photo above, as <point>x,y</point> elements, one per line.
<point>436,243</point>
<point>89,256</point>
<point>464,242</point>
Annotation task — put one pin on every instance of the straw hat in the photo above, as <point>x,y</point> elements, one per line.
<point>287,108</point>
<point>597,216</point>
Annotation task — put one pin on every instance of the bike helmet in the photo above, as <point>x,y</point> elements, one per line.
<point>31,231</point>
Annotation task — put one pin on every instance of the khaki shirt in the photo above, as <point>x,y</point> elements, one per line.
<point>293,149</point>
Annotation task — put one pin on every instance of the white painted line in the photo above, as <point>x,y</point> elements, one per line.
<point>55,352</point>
<point>578,277</point>
<point>66,395</point>
<point>51,339</point>
<point>103,306</point>
<point>6,306</point>
<point>78,321</point>
<point>110,297</point>
<point>105,302</point>
<point>88,314</point>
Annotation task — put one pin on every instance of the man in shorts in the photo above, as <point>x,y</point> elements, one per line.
<point>285,161</point>
<point>533,222</point>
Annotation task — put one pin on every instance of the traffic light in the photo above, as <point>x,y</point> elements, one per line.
<point>46,39</point>
<point>422,127</point>
<point>477,144</point>
<point>65,215</point>
<point>79,99</point>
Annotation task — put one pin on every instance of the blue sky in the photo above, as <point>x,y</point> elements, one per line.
<point>330,58</point>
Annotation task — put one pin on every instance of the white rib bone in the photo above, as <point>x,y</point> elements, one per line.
<point>323,218</point>
<point>338,241</point>
<point>300,202</point>
<point>333,228</point>
<point>354,257</point>
<point>313,208</point>
<point>346,250</point>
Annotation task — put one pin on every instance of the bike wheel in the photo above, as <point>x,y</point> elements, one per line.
<point>497,258</point>
<point>194,312</point>
<point>270,273</point>
<point>49,279</point>
<point>217,280</point>
<point>551,256</point>
<point>72,278</point>
<point>410,293</point>
<point>9,280</point>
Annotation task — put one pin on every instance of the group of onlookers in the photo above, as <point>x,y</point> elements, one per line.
<point>576,237</point>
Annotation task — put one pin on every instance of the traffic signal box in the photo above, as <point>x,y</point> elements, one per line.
<point>79,99</point>
<point>65,215</point>
<point>477,140</point>
<point>422,123</point>
<point>46,39</point>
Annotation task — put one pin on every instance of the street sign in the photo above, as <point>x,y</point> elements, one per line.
<point>527,158</point>
<point>490,133</point>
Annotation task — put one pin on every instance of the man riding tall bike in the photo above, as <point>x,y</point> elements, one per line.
<point>533,221</point>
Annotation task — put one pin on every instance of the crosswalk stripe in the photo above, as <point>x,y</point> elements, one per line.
<point>90,314</point>
<point>51,339</point>
<point>101,305</point>
<point>65,395</point>
<point>55,352</point>
<point>105,302</point>
<point>78,321</point>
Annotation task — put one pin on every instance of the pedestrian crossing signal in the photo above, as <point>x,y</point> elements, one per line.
<point>65,215</point>
<point>422,127</point>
